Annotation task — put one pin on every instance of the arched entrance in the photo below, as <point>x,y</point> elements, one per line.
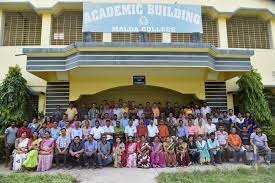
<point>139,94</point>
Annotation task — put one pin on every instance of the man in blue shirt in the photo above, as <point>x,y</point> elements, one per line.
<point>214,149</point>
<point>104,152</point>
<point>124,121</point>
<point>55,131</point>
<point>182,131</point>
<point>90,154</point>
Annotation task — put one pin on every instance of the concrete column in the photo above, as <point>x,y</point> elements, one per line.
<point>107,37</point>
<point>166,37</point>
<point>222,32</point>
<point>2,26</point>
<point>272,33</point>
<point>46,29</point>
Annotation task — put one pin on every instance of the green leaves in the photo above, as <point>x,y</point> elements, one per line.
<point>13,95</point>
<point>252,97</point>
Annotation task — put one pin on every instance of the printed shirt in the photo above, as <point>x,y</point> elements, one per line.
<point>63,141</point>
<point>222,137</point>
<point>234,140</point>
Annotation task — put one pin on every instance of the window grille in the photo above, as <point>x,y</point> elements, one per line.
<point>22,29</point>
<point>209,35</point>
<point>134,37</point>
<point>247,32</point>
<point>67,29</point>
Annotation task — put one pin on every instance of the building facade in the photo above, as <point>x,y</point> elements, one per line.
<point>62,64</point>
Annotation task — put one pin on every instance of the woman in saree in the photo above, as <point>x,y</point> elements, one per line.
<point>32,157</point>
<point>131,150</point>
<point>119,155</point>
<point>157,154</point>
<point>182,153</point>
<point>20,152</point>
<point>46,153</point>
<point>143,153</point>
<point>203,149</point>
<point>193,151</point>
<point>169,152</point>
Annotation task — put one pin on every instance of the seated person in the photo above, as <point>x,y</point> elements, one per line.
<point>157,155</point>
<point>104,152</point>
<point>90,154</point>
<point>214,149</point>
<point>20,151</point>
<point>169,152</point>
<point>182,153</point>
<point>119,132</point>
<point>143,153</point>
<point>203,150</point>
<point>259,142</point>
<point>193,151</point>
<point>248,149</point>
<point>119,155</point>
<point>76,152</point>
<point>131,151</point>
<point>62,146</point>
<point>235,143</point>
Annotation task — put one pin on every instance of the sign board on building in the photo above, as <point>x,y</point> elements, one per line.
<point>139,80</point>
<point>132,17</point>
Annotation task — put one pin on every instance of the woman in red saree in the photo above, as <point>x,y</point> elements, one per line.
<point>46,153</point>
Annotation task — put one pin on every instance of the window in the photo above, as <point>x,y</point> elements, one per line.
<point>22,29</point>
<point>209,35</point>
<point>134,37</point>
<point>67,29</point>
<point>247,32</point>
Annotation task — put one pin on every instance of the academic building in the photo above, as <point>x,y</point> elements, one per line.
<point>64,63</point>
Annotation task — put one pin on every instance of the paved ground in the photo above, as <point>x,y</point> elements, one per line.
<point>126,175</point>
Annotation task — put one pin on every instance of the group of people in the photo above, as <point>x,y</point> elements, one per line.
<point>135,136</point>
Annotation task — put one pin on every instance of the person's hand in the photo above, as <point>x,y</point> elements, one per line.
<point>77,155</point>
<point>103,158</point>
<point>73,153</point>
<point>266,148</point>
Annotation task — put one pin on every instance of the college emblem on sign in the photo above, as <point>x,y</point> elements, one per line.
<point>143,21</point>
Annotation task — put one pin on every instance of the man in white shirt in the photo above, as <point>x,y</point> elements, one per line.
<point>97,131</point>
<point>109,131</point>
<point>205,109</point>
<point>199,118</point>
<point>76,131</point>
<point>210,126</point>
<point>118,112</point>
<point>171,118</point>
<point>152,130</point>
<point>231,115</point>
<point>130,130</point>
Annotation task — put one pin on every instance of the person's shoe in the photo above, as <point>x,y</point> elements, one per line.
<point>267,163</point>
<point>88,166</point>
<point>70,167</point>
<point>57,167</point>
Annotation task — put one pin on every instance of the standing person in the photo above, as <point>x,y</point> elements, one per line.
<point>82,112</point>
<point>163,130</point>
<point>86,120</point>
<point>90,152</point>
<point>131,151</point>
<point>104,152</point>
<point>191,129</point>
<point>32,157</point>
<point>9,140</point>
<point>76,131</point>
<point>172,129</point>
<point>68,129</point>
<point>86,130</point>
<point>117,111</point>
<point>152,131</point>
<point>196,110</point>
<point>124,121</point>
<point>157,155</point>
<point>188,110</point>
<point>176,109</point>
<point>214,149</point>
<point>92,112</point>
<point>147,110</point>
<point>203,150</point>
<point>119,155</point>
<point>181,130</point>
<point>34,125</point>
<point>259,142</point>
<point>45,153</point>
<point>201,130</point>
<point>182,153</point>
<point>193,151</point>
<point>62,146</point>
<point>133,109</point>
<point>109,132</point>
<point>155,110</point>
<point>231,115</point>
<point>239,123</point>
<point>119,132</point>
<point>249,123</point>
<point>235,143</point>
<point>142,130</point>
<point>71,112</point>
<point>143,153</point>
<point>76,153</point>
<point>43,130</point>
<point>20,152</point>
<point>172,119</point>
<point>130,130</point>
<point>205,109</point>
<point>169,152</point>
<point>49,122</point>
<point>140,110</point>
<point>55,130</point>
<point>24,128</point>
<point>125,109</point>
<point>57,114</point>
<point>62,122</point>
<point>169,109</point>
<point>210,127</point>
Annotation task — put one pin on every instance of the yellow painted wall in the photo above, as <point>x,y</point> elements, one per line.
<point>185,81</point>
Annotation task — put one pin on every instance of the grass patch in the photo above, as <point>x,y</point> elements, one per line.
<point>32,178</point>
<point>242,175</point>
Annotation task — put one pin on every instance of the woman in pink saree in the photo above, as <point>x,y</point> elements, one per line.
<point>45,153</point>
<point>157,154</point>
<point>131,149</point>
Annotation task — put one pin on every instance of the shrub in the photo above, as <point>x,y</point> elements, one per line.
<point>2,148</point>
